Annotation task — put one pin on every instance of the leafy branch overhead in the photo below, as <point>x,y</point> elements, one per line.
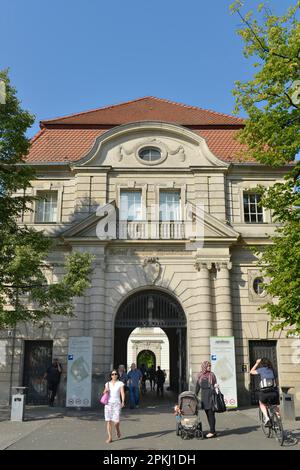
<point>272,98</point>
<point>271,135</point>
<point>26,294</point>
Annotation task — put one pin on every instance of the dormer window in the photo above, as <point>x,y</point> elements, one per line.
<point>150,154</point>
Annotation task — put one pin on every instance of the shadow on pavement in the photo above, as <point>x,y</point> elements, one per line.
<point>238,431</point>
<point>148,434</point>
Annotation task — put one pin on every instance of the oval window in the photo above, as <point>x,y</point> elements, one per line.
<point>258,286</point>
<point>150,154</point>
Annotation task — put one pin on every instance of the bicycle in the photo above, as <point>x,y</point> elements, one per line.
<point>275,428</point>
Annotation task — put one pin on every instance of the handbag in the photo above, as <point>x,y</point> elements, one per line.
<point>218,402</point>
<point>104,399</point>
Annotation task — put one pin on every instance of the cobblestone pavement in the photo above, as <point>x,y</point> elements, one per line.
<point>151,427</point>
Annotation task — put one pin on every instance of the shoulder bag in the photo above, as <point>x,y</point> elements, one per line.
<point>218,402</point>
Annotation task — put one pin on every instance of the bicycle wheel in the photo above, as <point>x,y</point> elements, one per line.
<point>278,428</point>
<point>265,429</point>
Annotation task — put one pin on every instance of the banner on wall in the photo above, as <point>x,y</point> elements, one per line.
<point>79,378</point>
<point>223,366</point>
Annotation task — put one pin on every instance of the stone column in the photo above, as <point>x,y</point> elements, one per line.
<point>95,319</point>
<point>223,299</point>
<point>201,319</point>
<point>78,323</point>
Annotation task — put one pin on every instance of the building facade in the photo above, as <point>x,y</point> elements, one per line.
<point>159,194</point>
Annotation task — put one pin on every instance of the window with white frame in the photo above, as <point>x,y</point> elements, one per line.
<point>253,211</point>
<point>130,205</point>
<point>46,207</point>
<point>150,154</point>
<point>169,206</point>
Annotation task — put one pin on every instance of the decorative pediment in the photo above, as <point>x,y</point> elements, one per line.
<point>212,230</point>
<point>87,227</point>
<point>215,228</point>
<point>179,146</point>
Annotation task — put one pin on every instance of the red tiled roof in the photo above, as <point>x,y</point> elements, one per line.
<point>147,109</point>
<point>223,144</point>
<point>59,145</point>
<point>70,138</point>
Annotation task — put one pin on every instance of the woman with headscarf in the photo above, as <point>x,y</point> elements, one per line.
<point>206,383</point>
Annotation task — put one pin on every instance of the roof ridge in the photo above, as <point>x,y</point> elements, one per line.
<point>96,109</point>
<point>163,100</point>
<point>197,108</point>
<point>36,136</point>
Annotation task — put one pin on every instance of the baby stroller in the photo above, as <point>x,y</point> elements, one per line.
<point>188,423</point>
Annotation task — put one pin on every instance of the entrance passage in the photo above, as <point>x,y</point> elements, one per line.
<point>150,309</point>
<point>260,349</point>
<point>38,357</point>
<point>147,358</point>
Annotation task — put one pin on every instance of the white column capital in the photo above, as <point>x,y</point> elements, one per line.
<point>203,265</point>
<point>224,264</point>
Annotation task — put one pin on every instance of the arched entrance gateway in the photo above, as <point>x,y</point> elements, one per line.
<point>154,308</point>
<point>146,357</point>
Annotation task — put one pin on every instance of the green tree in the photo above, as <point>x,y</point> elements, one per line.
<point>271,135</point>
<point>25,293</point>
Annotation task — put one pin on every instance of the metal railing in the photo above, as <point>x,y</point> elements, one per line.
<point>144,230</point>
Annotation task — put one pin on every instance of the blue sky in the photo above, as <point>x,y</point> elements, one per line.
<point>67,56</point>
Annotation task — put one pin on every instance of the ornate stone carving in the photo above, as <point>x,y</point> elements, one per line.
<point>203,264</point>
<point>223,265</point>
<point>152,269</point>
<point>121,153</point>
<point>253,296</point>
<point>152,141</point>
<point>180,151</point>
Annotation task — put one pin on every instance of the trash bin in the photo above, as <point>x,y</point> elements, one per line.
<point>287,404</point>
<point>18,404</point>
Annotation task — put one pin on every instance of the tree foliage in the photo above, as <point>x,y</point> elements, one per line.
<point>272,98</point>
<point>271,135</point>
<point>25,291</point>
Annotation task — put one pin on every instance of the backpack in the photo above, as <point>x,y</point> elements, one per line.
<point>267,384</point>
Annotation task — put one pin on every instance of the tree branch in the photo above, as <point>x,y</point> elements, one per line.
<point>264,47</point>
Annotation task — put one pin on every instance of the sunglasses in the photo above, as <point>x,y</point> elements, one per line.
<point>114,373</point>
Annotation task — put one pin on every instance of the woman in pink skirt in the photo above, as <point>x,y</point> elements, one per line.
<point>116,401</point>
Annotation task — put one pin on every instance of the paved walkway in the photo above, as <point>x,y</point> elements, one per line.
<point>151,427</point>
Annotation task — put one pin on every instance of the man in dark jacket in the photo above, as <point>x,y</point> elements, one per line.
<point>160,380</point>
<point>53,377</point>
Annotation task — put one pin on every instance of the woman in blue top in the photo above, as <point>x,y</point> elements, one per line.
<point>268,393</point>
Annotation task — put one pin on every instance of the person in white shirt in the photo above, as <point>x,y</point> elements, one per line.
<point>116,401</point>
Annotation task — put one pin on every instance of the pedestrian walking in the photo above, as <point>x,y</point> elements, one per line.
<point>134,381</point>
<point>151,375</point>
<point>143,370</point>
<point>52,375</point>
<point>122,375</point>
<point>160,380</point>
<point>207,383</point>
<point>116,401</point>
<point>124,378</point>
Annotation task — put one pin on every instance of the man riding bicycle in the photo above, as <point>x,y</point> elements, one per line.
<point>268,391</point>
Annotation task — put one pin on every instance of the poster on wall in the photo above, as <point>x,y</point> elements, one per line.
<point>79,378</point>
<point>222,355</point>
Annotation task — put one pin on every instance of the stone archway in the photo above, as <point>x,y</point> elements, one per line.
<point>154,308</point>
<point>147,357</point>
